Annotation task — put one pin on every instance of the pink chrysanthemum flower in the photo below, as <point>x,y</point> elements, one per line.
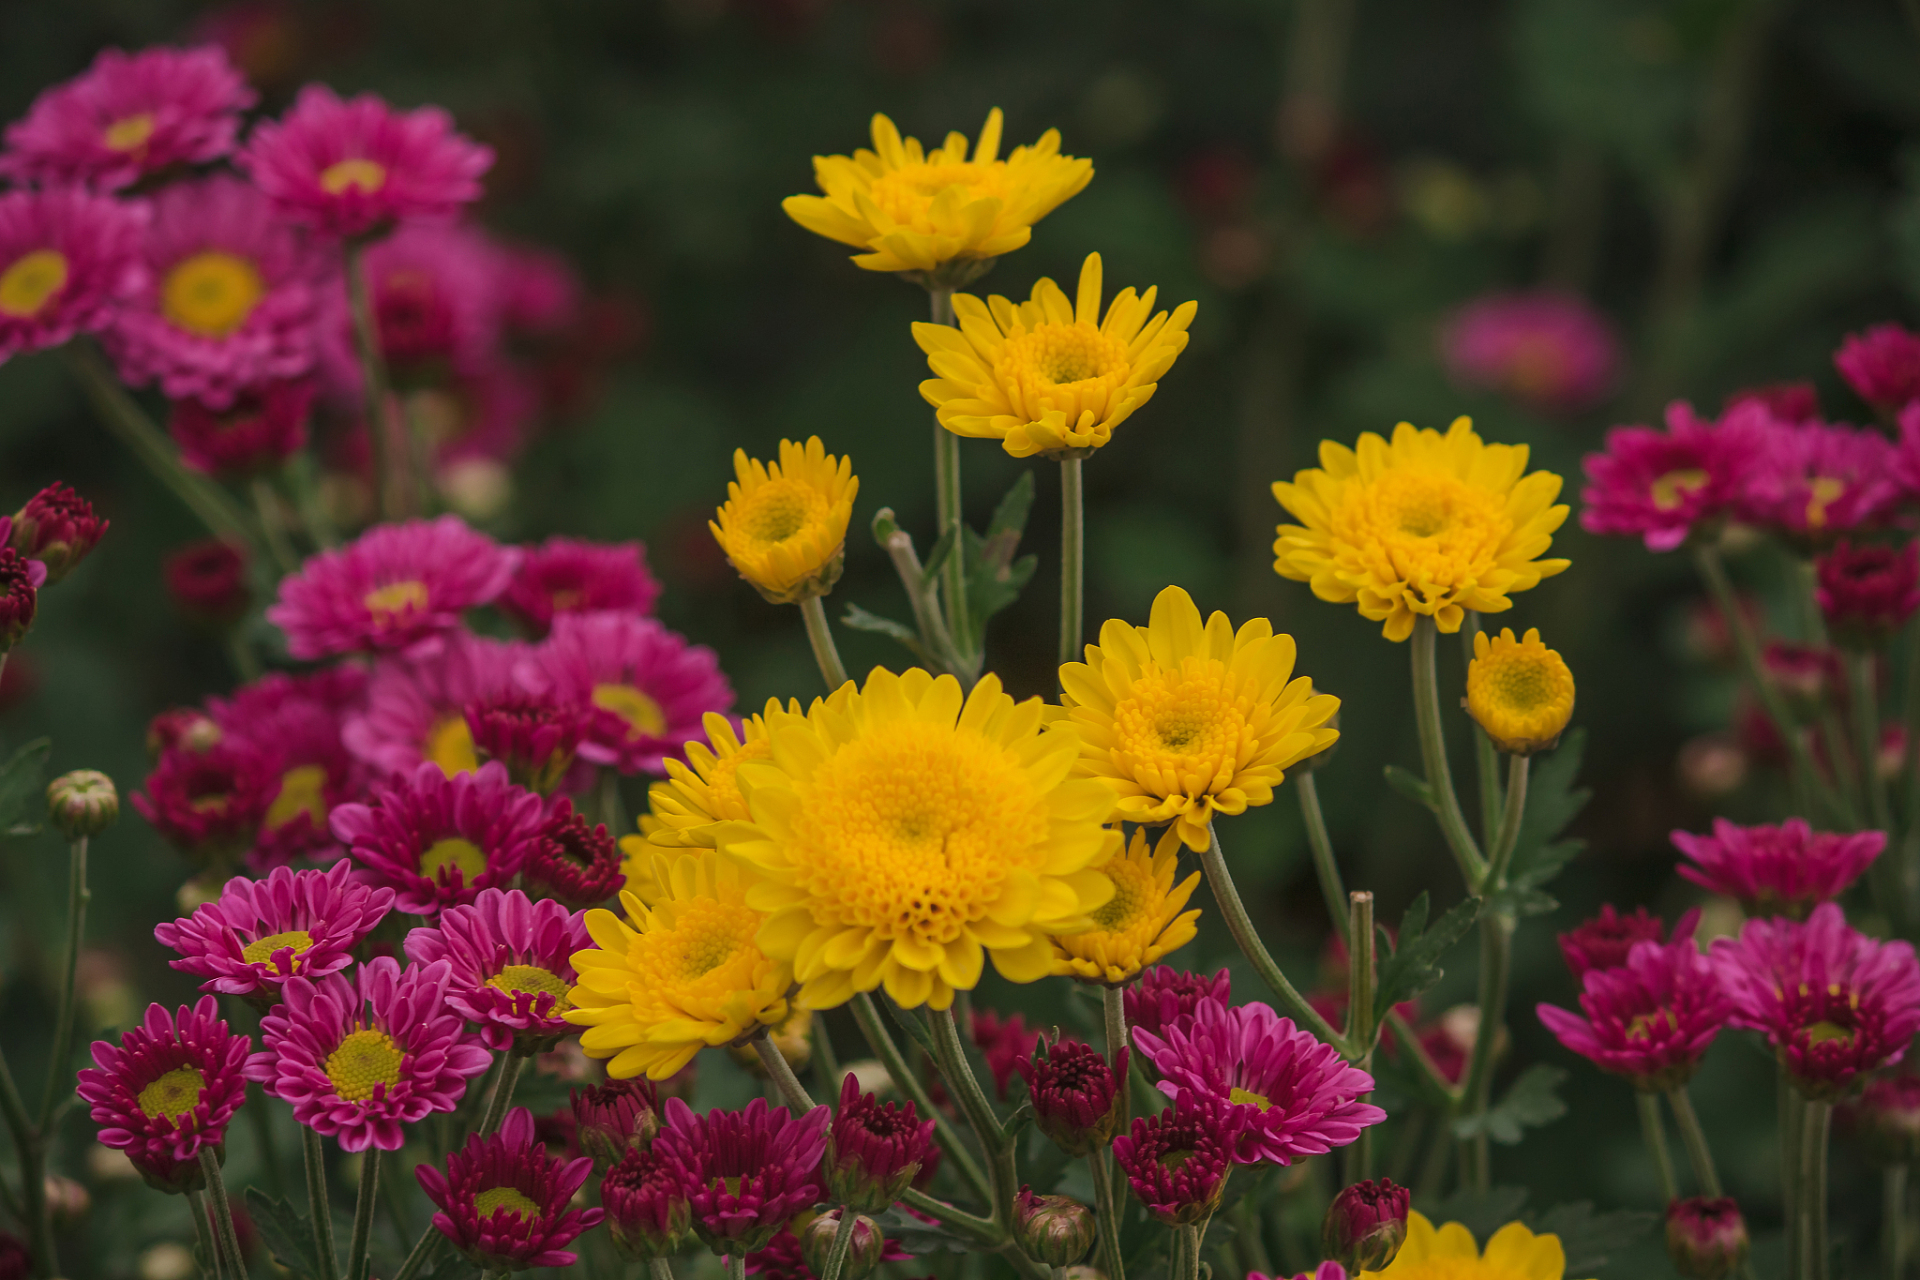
<point>353,168</point>
<point>1834,1004</point>
<point>539,291</point>
<point>1004,1041</point>
<point>511,965</point>
<point>127,116</point>
<point>1786,401</point>
<point>503,1199</point>
<point>293,722</point>
<point>358,1058</point>
<point>209,803</point>
<point>1659,486</point>
<point>746,1173</point>
<point>534,736</point>
<point>258,431</point>
<point>68,262</point>
<point>1652,1018</point>
<point>1604,941</point>
<point>390,589</point>
<point>1177,1162</point>
<point>230,300</point>
<point>1906,452</point>
<point>435,294</point>
<point>1288,1094</point>
<point>648,1214</point>
<point>1882,365</point>
<point>574,861</point>
<point>167,1090</point>
<point>487,416</point>
<point>1550,351</point>
<point>262,932</point>
<point>645,687</point>
<point>1867,593</point>
<point>1785,870</point>
<point>570,575</point>
<point>416,704</point>
<point>438,841</point>
<point>1816,480</point>
<point>1165,995</point>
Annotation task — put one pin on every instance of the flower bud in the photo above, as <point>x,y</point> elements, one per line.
<point>1077,1097</point>
<point>1055,1230</point>
<point>82,803</point>
<point>1867,593</point>
<point>874,1151</point>
<point>1887,1115</point>
<point>58,528</point>
<point>188,728</point>
<point>615,1118</point>
<point>1706,1239</point>
<point>648,1213</point>
<point>533,737</point>
<point>19,596</point>
<point>1519,691</point>
<point>1366,1225</point>
<point>863,1250</point>
<point>207,581</point>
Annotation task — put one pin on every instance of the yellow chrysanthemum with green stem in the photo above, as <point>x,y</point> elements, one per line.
<point>1145,921</point>
<point>1450,1253</point>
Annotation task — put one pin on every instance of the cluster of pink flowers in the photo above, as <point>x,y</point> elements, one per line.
<point>1551,352</point>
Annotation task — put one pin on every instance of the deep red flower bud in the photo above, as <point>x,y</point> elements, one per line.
<point>1055,1230</point>
<point>614,1118</point>
<point>208,583</point>
<point>577,863</point>
<point>58,528</point>
<point>1867,593</point>
<point>648,1214</point>
<point>534,737</point>
<point>1887,1115</point>
<point>1177,1162</point>
<point>261,430</point>
<point>874,1150</point>
<point>1165,994</point>
<point>1003,1042</point>
<point>1803,672</point>
<point>20,581</point>
<point>1603,942</point>
<point>1706,1239</point>
<point>864,1250</point>
<point>1365,1225</point>
<point>188,728</point>
<point>1077,1097</point>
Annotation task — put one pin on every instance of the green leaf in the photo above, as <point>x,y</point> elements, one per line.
<point>1481,1212</point>
<point>22,782</point>
<point>915,1029</point>
<point>286,1233</point>
<point>1553,801</point>
<point>1413,965</point>
<point>937,558</point>
<point>1591,1238</point>
<point>1010,516</point>
<point>994,578</point>
<point>1410,786</point>
<point>1531,1101</point>
<point>862,620</point>
<point>919,1237</point>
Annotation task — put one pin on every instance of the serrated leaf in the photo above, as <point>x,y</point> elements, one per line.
<point>916,1030</point>
<point>22,779</point>
<point>1409,785</point>
<point>994,578</point>
<point>937,558</point>
<point>1553,801</point>
<point>863,620</point>
<point>1010,515</point>
<point>1412,966</point>
<point>284,1230</point>
<point>1481,1212</point>
<point>1591,1238</point>
<point>1531,1101</point>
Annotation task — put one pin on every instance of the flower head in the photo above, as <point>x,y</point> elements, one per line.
<point>167,1090</point>
<point>1519,691</point>
<point>649,1212</point>
<point>904,831</point>
<point>534,737</point>
<point>1049,376</point>
<point>509,964</point>
<point>572,860</point>
<point>1888,1114</point>
<point>1185,719</point>
<point>1165,995</point>
<point>58,528</point>
<point>875,1150</point>
<point>438,841</point>
<point>416,704</point>
<point>1660,486</point>
<point>568,575</point>
<point>261,933</point>
<point>1366,1224</point>
<point>1783,870</point>
<point>745,1172</point>
<point>1004,1042</point>
<point>1550,351</point>
<point>1428,525</point>
<point>1078,1097</point>
<point>1449,1253</point>
<point>1814,480</point>
<point>82,803</point>
<point>916,210</point>
<point>615,1118</point>
<point>256,431</point>
<point>1882,365</point>
<point>1650,1019</point>
<point>128,116</point>
<point>705,788</point>
<point>1867,593</point>
<point>783,526</point>
<point>68,262</point>
<point>1177,1162</point>
<point>503,1199</point>
<point>1604,941</point>
<point>207,581</point>
<point>292,723</point>
<point>434,290</point>
<point>359,1058</point>
<point>1055,1231</point>
<point>1787,401</point>
<point>20,581</point>
<point>353,168</point>
<point>210,803</point>
<point>1143,921</point>
<point>1706,1237</point>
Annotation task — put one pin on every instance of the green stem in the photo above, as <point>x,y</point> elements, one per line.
<point>421,1254</point>
<point>392,492</point>
<point>1699,1154</point>
<point>1496,955</point>
<point>951,1056</point>
<point>502,1094</point>
<point>842,1241</point>
<point>1515,809</point>
<point>1409,1042</point>
<point>868,1018</point>
<point>1812,1201</point>
<point>33,1173</point>
<point>59,1074</point>
<point>984,1231</point>
<point>1113,1009</point>
<point>660,1268</point>
<point>781,1072</point>
<point>222,1211</point>
<point>923,598</point>
<point>1433,755</point>
<point>1792,1124</point>
<point>1485,758</point>
<point>736,1267</point>
<point>827,1074</point>
<point>1073,557</point>
<point>1189,1254</point>
<point>1893,1211</point>
<point>317,1207</point>
<point>1325,868</point>
<point>261,1121</point>
<point>1362,1028</point>
<point>1846,770</point>
<point>364,1208</point>
<point>947,498</point>
<point>203,1235</point>
<point>266,503</point>
<point>813,611</point>
<point>299,475</point>
<point>613,811</point>
<point>1107,1204</point>
<point>1866,736</point>
<point>1655,1134</point>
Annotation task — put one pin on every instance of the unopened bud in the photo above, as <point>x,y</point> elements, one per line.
<point>1055,1230</point>
<point>1366,1225</point>
<point>82,803</point>
<point>58,528</point>
<point>1706,1239</point>
<point>863,1249</point>
<point>615,1118</point>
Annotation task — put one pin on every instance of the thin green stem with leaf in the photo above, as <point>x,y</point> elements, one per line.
<point>1240,925</point>
<point>1496,957</point>
<point>867,1017</point>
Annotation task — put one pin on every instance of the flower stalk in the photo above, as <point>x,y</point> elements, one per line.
<point>842,1235</point>
<point>1433,755</point>
<point>1811,1202</point>
<point>1496,957</point>
<point>502,1096</point>
<point>792,1092</point>
<point>1362,1028</point>
<point>203,1236</point>
<point>1694,1138</point>
<point>1073,557</point>
<point>1654,1131</point>
<point>393,497</point>
<point>1240,925</point>
<point>1866,737</point>
<point>947,499</point>
<point>1500,856</point>
<point>59,1078</point>
<point>222,1212</point>
<point>363,1211</point>
<point>318,1211</point>
<point>1325,868</point>
<point>813,611</point>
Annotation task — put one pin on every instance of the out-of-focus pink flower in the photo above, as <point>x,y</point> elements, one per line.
<point>208,582</point>
<point>1786,401</point>
<point>1882,365</point>
<point>263,427</point>
<point>570,575</point>
<point>438,841</point>
<point>416,704</point>
<point>540,293</point>
<point>293,723</point>
<point>1783,870</point>
<point>1165,995</point>
<point>1650,1019</point>
<point>209,803</point>
<point>1659,486</point>
<point>1551,351</point>
<point>1604,941</point>
<point>1818,480</point>
<point>68,262</point>
<point>1868,592</point>
<point>435,291</point>
<point>1004,1042</point>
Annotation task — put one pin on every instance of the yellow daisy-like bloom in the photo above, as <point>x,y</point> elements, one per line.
<point>1429,524</point>
<point>784,524</point>
<point>1449,1253</point>
<point>1049,375</point>
<point>676,976</point>
<point>1186,720</point>
<point>1144,921</point>
<point>1520,691</point>
<point>902,832</point>
<point>917,210</point>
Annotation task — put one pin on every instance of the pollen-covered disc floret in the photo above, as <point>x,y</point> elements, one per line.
<point>1784,870</point>
<point>509,965</point>
<point>905,831</point>
<point>1429,525</point>
<point>914,209</point>
<point>747,1173</point>
<point>262,932</point>
<point>503,1199</point>
<point>1449,1252</point>
<point>1650,1019</point>
<point>783,526</point>
<point>1145,919</point>
<point>1050,375</point>
<point>1519,691</point>
<point>1185,719</point>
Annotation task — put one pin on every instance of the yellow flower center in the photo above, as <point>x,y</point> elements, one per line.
<point>1428,529</point>
<point>1134,898</point>
<point>907,193</point>
<point>353,173</point>
<point>1672,489</point>
<point>1184,728</point>
<point>1645,1025</point>
<point>642,714</point>
<point>453,854</point>
<point>261,950</point>
<point>1248,1098</point>
<point>532,980</point>
<point>32,280</point>
<point>302,790</point>
<point>1822,492</point>
<point>1071,368</point>
<point>129,133</point>
<point>396,602</point>
<point>449,744</point>
<point>362,1060</point>
<point>211,294</point>
<point>780,509</point>
<point>505,1200</point>
<point>1825,1032</point>
<point>173,1094</point>
<point>702,955</point>
<point>1520,681</point>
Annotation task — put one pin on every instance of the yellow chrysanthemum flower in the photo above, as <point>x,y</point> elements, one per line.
<point>1449,1253</point>
<point>916,210</point>
<point>1187,720</point>
<point>1520,691</point>
<point>676,976</point>
<point>1143,922</point>
<point>784,525</point>
<point>905,830</point>
<point>1429,524</point>
<point>1049,375</point>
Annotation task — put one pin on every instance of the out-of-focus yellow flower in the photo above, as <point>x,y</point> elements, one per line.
<point>1520,691</point>
<point>784,525</point>
<point>1049,375</point>
<point>916,210</point>
<point>905,831</point>
<point>1143,922</point>
<point>1428,524</point>
<point>1186,720</point>
<point>1450,1253</point>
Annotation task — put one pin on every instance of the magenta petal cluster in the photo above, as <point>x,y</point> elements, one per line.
<point>1165,995</point>
<point>1650,1019</point>
<point>1550,351</point>
<point>260,428</point>
<point>503,1199</point>
<point>1866,593</point>
<point>1177,1162</point>
<point>68,261</point>
<point>1288,1094</point>
<point>570,575</point>
<point>1604,941</point>
<point>510,964</point>
<point>874,1150</point>
<point>1783,870</point>
<point>1659,486</point>
<point>746,1173</point>
<point>392,588</point>
<point>209,804</point>
<point>359,1058</point>
<point>1882,365</point>
<point>435,294</point>
<point>438,841</point>
<point>293,724</point>
<point>416,704</point>
<point>574,861</point>
<point>1834,1003</point>
<point>262,932</point>
<point>167,1090</point>
<point>1817,480</point>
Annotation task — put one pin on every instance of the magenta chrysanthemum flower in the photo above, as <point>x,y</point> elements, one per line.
<point>511,964</point>
<point>1786,401</point>
<point>258,431</point>
<point>210,803</point>
<point>1906,453</point>
<point>1833,1003</point>
<point>1604,941</point>
<point>1078,1097</point>
<point>875,1150</point>
<point>1817,480</point>
<point>1659,486</point>
<point>539,291</point>
<point>358,1058</point>
<point>534,736</point>
<point>644,687</point>
<point>1288,1094</point>
<point>1004,1042</point>
<point>1784,870</point>
<point>745,1172</point>
<point>263,932</point>
<point>1177,1162</point>
<point>1882,365</point>
<point>129,115</point>
<point>1652,1018</point>
<point>1165,995</point>
<point>569,575</point>
<point>646,1198</point>
<point>293,723</point>
<point>68,261</point>
<point>573,861</point>
<point>438,841</point>
<point>435,293</point>
<point>1867,593</point>
<point>416,704</point>
<point>503,1199</point>
<point>1551,351</point>
<point>355,167</point>
<point>167,1090</point>
<point>390,589</point>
